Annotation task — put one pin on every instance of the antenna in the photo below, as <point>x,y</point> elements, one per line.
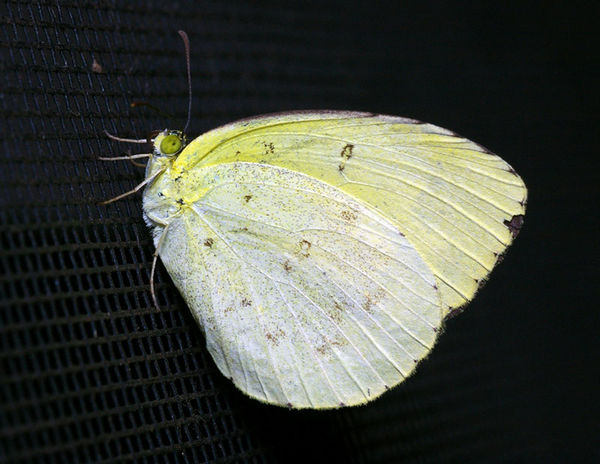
<point>186,46</point>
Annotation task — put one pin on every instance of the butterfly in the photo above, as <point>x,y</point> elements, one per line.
<point>321,251</point>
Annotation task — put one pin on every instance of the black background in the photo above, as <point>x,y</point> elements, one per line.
<point>90,371</point>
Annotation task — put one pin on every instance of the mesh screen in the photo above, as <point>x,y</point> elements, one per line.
<point>90,370</point>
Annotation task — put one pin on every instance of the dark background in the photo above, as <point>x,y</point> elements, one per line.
<point>90,371</point>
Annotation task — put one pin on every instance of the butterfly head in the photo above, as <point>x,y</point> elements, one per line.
<point>168,143</point>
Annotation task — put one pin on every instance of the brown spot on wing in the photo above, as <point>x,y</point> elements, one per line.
<point>349,216</point>
<point>455,311</point>
<point>368,303</point>
<point>246,302</point>
<point>274,336</point>
<point>305,248</point>
<point>347,151</point>
<point>515,224</point>
<point>337,312</point>
<point>269,148</point>
<point>209,242</point>
<point>247,198</point>
<point>322,349</point>
<point>287,266</point>
<point>372,300</point>
<point>346,154</point>
<point>499,257</point>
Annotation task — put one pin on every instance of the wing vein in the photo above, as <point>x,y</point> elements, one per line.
<point>383,148</point>
<point>258,221</point>
<point>367,333</point>
<point>268,350</point>
<point>226,242</point>
<point>335,256</point>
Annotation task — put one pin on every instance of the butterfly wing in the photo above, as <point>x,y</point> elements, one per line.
<point>307,297</point>
<point>459,205</point>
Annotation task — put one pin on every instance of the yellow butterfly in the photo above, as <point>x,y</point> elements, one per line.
<point>321,251</point>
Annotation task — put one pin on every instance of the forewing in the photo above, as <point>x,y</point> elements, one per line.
<point>458,205</point>
<point>307,298</point>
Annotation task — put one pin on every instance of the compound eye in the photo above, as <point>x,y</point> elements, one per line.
<point>170,145</point>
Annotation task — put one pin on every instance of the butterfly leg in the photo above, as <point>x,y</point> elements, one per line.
<point>137,188</point>
<point>154,260</point>
<point>128,157</point>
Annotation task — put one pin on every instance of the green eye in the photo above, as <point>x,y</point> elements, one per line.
<point>170,144</point>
